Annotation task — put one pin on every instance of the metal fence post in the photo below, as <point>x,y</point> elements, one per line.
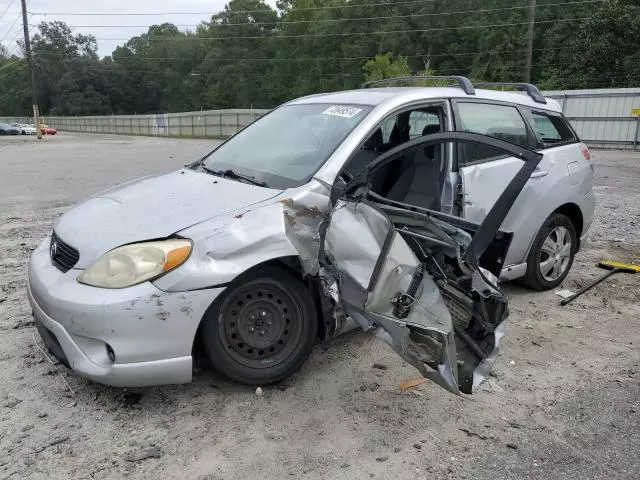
<point>635,137</point>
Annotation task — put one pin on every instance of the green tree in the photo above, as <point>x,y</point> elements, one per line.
<point>386,66</point>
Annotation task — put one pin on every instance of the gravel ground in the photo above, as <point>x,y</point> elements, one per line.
<point>564,401</point>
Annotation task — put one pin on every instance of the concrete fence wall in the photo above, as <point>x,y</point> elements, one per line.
<point>603,119</point>
<point>210,123</point>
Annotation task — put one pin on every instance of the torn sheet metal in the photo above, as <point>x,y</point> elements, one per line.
<point>231,244</point>
<point>303,215</point>
<point>386,285</point>
<point>373,272</point>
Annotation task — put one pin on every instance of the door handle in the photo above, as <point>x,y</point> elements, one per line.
<point>539,173</point>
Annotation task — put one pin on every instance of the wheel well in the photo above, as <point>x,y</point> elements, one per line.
<point>291,263</point>
<point>573,213</point>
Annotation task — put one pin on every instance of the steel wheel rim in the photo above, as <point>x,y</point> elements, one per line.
<point>555,254</point>
<point>260,324</point>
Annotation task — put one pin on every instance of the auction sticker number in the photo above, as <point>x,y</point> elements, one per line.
<point>342,111</point>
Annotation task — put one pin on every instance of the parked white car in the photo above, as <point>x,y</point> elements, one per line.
<point>394,209</point>
<point>25,129</point>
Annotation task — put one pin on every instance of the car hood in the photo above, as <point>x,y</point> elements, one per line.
<point>152,208</point>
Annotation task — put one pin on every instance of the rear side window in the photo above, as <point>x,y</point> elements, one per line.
<point>552,129</point>
<point>500,121</point>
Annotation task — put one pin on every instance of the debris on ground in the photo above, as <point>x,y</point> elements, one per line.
<point>379,366</point>
<point>153,452</point>
<point>474,434</point>
<point>565,293</point>
<point>259,392</point>
<point>408,385</point>
<point>58,441</point>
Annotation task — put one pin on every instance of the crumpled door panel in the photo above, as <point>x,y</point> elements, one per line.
<point>373,273</point>
<point>416,278</point>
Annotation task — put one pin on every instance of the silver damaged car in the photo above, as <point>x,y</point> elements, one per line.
<point>375,208</point>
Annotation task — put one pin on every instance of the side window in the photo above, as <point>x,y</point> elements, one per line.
<point>552,129</point>
<point>420,120</point>
<point>499,121</point>
<point>387,128</point>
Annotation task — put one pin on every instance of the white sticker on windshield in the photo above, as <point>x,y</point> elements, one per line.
<point>342,111</point>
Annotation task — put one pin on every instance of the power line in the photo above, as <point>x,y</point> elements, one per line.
<point>328,7</point>
<point>9,64</point>
<point>13,44</point>
<point>6,74</point>
<point>10,28</point>
<point>336,20</point>
<point>11,92</point>
<point>297,9</point>
<point>310,59</point>
<point>7,9</point>
<point>342,34</point>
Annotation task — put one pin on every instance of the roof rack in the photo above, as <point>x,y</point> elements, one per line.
<point>530,89</point>
<point>463,82</point>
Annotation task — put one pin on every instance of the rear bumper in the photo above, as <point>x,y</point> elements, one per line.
<point>587,207</point>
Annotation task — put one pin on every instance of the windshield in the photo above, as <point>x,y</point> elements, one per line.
<point>286,147</point>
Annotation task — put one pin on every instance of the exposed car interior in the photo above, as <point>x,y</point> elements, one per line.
<point>421,174</point>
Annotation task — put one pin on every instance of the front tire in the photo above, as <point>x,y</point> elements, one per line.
<point>552,253</point>
<point>262,329</point>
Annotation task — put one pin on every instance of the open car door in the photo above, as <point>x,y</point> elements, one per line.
<point>424,281</point>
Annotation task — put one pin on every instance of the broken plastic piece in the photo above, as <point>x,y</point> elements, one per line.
<point>412,384</point>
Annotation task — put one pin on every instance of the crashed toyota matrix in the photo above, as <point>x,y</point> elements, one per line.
<point>395,210</point>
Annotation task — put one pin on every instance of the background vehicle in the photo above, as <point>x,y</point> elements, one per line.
<point>25,129</point>
<point>6,129</point>
<point>47,130</point>
<point>239,262</point>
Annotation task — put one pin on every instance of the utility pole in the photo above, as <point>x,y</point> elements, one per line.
<point>532,21</point>
<point>27,49</point>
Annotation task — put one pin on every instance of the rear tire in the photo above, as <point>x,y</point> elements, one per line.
<point>262,328</point>
<point>552,253</point>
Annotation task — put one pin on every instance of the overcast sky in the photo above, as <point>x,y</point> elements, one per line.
<point>185,13</point>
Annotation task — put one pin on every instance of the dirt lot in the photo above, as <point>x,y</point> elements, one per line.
<point>564,402</point>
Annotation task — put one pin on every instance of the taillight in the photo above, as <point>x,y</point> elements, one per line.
<point>585,152</point>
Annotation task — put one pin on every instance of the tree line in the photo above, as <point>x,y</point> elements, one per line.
<point>251,55</point>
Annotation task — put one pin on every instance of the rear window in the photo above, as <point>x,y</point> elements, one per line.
<point>552,129</point>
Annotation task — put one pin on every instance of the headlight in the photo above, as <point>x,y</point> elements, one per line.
<point>136,263</point>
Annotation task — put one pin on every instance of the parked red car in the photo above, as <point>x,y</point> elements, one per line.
<point>47,130</point>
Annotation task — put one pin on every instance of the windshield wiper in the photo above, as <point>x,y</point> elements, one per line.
<point>235,176</point>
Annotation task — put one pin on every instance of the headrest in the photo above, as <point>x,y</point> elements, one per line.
<point>430,130</point>
<point>376,141</point>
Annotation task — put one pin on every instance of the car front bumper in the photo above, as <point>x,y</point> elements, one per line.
<point>137,336</point>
